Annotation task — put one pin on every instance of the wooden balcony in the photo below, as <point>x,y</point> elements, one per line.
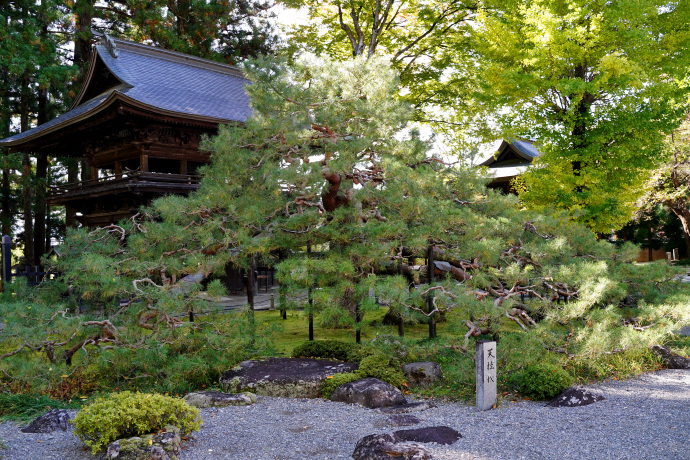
<point>127,183</point>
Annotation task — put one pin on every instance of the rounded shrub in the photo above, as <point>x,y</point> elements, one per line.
<point>127,414</point>
<point>543,381</point>
<point>383,368</point>
<point>331,349</point>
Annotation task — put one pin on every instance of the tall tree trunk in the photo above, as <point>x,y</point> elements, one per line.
<point>41,185</point>
<point>24,114</point>
<point>82,33</point>
<point>683,213</point>
<point>5,199</point>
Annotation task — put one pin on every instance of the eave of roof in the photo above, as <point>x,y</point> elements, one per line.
<point>522,149</point>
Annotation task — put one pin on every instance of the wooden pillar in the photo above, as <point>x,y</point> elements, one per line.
<point>183,167</point>
<point>118,169</point>
<point>94,173</point>
<point>144,163</point>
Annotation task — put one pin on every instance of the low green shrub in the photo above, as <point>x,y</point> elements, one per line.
<point>383,368</point>
<point>329,385</point>
<point>127,414</point>
<point>543,381</point>
<point>331,349</point>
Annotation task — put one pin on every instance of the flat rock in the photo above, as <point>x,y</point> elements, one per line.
<point>406,407</point>
<point>203,399</point>
<point>422,374</point>
<point>49,422</point>
<point>574,397</point>
<point>368,392</point>
<point>671,360</point>
<point>439,434</point>
<point>284,377</point>
<point>402,420</point>
<point>386,446</point>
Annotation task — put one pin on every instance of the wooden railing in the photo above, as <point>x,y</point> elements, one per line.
<point>128,180</point>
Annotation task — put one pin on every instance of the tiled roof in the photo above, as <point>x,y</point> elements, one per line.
<point>179,83</point>
<point>526,147</point>
<point>166,82</point>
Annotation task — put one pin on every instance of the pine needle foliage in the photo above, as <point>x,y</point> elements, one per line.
<point>329,184</point>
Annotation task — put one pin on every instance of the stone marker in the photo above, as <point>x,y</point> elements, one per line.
<point>485,365</point>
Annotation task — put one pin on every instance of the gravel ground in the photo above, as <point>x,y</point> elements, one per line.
<point>647,417</point>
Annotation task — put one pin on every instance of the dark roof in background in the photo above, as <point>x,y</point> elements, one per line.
<point>159,80</point>
<point>513,152</point>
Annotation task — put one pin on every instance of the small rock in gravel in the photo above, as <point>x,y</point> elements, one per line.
<point>49,422</point>
<point>205,399</point>
<point>402,420</point>
<point>368,392</point>
<point>407,407</point>
<point>439,434</point>
<point>574,397</point>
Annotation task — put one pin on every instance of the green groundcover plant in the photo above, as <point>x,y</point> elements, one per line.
<point>127,414</point>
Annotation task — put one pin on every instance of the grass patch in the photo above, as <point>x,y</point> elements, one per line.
<point>26,407</point>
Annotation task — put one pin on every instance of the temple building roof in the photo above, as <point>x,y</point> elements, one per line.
<point>158,81</point>
<point>511,153</point>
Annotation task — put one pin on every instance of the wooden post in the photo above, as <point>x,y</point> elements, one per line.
<point>183,167</point>
<point>311,302</point>
<point>250,300</point>
<point>430,299</point>
<point>282,301</point>
<point>144,163</point>
<point>485,366</point>
<point>6,260</point>
<point>118,170</point>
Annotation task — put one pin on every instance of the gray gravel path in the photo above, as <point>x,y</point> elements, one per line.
<point>647,417</point>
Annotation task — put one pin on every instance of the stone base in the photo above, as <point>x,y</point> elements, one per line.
<point>160,446</point>
<point>284,377</point>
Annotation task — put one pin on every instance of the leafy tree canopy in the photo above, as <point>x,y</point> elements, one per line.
<point>596,84</point>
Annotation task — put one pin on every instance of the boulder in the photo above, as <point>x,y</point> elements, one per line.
<point>671,360</point>
<point>438,434</point>
<point>285,377</point>
<point>574,397</point>
<point>368,392</point>
<point>422,374</point>
<point>203,399</point>
<point>387,447</point>
<point>160,446</point>
<point>49,422</point>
